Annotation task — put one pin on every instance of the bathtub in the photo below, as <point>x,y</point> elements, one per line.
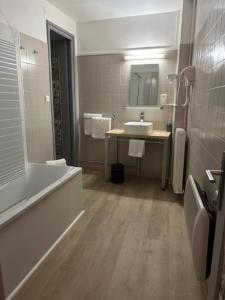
<point>29,230</point>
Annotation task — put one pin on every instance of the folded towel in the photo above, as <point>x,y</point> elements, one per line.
<point>87,126</point>
<point>100,126</point>
<point>88,122</point>
<point>136,148</point>
<point>57,162</point>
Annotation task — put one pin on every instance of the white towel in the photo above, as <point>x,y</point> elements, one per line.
<point>88,122</point>
<point>57,162</point>
<point>136,148</point>
<point>100,126</point>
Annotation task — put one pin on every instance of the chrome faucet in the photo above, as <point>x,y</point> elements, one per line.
<point>142,115</point>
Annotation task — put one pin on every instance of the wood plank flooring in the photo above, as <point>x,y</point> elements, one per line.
<point>130,244</point>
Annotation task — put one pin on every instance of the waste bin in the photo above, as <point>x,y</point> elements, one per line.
<point>117,173</point>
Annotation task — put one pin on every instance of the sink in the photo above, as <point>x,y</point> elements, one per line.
<point>138,128</point>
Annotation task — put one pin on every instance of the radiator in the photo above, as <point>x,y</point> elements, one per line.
<point>200,224</point>
<point>178,162</point>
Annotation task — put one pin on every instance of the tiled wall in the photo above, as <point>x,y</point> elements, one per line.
<point>104,88</point>
<point>37,111</point>
<point>184,56</point>
<point>206,125</point>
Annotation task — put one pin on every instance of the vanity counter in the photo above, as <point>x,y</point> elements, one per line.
<point>156,134</point>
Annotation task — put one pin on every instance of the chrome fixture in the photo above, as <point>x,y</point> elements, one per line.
<point>221,173</point>
<point>187,78</point>
<point>138,75</point>
<point>138,91</point>
<point>103,115</point>
<point>210,174</point>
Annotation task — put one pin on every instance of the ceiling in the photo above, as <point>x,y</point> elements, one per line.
<point>89,10</point>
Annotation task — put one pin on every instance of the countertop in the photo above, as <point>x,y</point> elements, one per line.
<point>156,134</point>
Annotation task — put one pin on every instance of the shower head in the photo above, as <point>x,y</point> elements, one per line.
<point>138,75</point>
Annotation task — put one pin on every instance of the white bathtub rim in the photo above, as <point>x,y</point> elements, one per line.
<point>21,207</point>
<point>43,258</point>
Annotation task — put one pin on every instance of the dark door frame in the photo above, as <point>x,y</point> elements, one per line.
<point>2,295</point>
<point>72,91</point>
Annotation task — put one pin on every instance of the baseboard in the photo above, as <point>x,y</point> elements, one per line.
<point>38,264</point>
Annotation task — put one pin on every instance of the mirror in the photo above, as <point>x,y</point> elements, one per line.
<point>144,82</point>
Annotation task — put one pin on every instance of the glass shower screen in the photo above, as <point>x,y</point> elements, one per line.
<point>12,160</point>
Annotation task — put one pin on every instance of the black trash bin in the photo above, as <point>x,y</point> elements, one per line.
<point>117,173</point>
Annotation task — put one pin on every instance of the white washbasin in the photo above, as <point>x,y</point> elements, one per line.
<point>142,128</point>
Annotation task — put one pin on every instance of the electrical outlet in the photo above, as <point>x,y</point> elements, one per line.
<point>163,99</point>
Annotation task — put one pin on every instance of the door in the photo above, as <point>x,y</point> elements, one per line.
<point>61,103</point>
<point>2,296</point>
<point>215,281</point>
<point>64,114</point>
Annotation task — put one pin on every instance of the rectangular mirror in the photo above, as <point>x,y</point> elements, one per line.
<point>144,82</point>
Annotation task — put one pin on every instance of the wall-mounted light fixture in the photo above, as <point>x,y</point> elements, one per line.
<point>145,56</point>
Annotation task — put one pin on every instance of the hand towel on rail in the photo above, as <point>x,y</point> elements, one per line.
<point>136,148</point>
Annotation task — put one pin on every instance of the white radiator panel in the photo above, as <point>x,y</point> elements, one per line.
<point>197,222</point>
<point>178,163</point>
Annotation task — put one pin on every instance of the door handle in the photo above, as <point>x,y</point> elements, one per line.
<point>211,177</point>
<point>210,174</point>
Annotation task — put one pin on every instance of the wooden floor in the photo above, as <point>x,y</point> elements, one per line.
<point>130,244</point>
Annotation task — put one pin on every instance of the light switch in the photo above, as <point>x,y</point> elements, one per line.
<point>47,99</point>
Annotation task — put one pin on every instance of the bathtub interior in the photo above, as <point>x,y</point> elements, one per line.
<point>40,178</point>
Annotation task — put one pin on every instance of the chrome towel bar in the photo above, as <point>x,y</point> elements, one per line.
<point>106,115</point>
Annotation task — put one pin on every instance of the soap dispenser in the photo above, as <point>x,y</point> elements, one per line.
<point>169,126</point>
